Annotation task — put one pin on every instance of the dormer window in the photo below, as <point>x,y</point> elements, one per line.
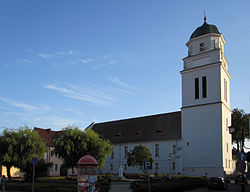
<point>138,133</point>
<point>101,136</point>
<point>118,134</point>
<point>202,47</point>
<point>160,130</point>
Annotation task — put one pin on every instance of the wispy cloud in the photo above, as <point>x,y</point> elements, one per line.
<point>45,55</point>
<point>4,108</point>
<point>117,81</point>
<point>95,93</point>
<point>25,106</point>
<point>105,64</point>
<point>54,122</point>
<point>80,93</point>
<point>26,61</point>
<point>67,52</point>
<point>85,60</point>
<point>8,65</point>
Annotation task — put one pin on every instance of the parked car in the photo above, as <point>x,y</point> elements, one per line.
<point>216,183</point>
<point>240,179</point>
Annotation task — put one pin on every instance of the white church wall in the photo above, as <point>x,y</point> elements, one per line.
<point>225,91</point>
<point>208,55</point>
<point>201,128</point>
<point>161,164</point>
<point>228,163</point>
<point>212,74</point>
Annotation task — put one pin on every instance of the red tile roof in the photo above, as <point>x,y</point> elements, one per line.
<point>48,135</point>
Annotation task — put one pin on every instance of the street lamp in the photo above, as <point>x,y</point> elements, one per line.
<point>231,130</point>
<point>169,159</point>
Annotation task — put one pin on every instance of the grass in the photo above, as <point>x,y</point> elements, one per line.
<point>44,185</point>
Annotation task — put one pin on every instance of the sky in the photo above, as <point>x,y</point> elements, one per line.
<point>76,62</point>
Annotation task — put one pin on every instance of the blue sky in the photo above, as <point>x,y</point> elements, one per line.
<point>74,62</point>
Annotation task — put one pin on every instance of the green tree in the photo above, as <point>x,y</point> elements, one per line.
<point>74,143</point>
<point>71,146</point>
<point>19,146</point>
<point>4,154</point>
<point>97,147</point>
<point>138,155</point>
<point>241,126</point>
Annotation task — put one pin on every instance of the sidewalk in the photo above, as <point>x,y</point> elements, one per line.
<point>120,187</point>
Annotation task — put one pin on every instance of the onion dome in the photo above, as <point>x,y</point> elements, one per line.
<point>87,160</point>
<point>204,29</point>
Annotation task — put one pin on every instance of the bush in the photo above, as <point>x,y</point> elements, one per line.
<point>104,184</point>
<point>55,184</point>
<point>176,184</point>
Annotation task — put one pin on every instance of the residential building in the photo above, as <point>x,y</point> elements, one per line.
<point>49,156</point>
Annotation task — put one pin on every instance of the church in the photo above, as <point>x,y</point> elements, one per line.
<point>194,141</point>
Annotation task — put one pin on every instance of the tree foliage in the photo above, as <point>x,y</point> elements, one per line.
<point>19,146</point>
<point>70,145</point>
<point>97,147</point>
<point>138,155</point>
<point>241,126</point>
<point>74,143</point>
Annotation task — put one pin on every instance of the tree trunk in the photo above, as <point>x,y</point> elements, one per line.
<point>238,146</point>
<point>73,172</point>
<point>8,172</point>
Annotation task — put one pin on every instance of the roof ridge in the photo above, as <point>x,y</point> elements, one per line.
<point>132,118</point>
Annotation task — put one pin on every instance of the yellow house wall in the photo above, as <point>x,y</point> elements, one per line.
<point>15,172</point>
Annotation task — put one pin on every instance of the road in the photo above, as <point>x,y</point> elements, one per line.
<point>120,187</point>
<point>230,188</point>
<point>125,187</point>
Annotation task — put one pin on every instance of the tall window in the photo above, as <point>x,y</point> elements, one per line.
<point>204,86</point>
<point>125,151</point>
<point>196,83</point>
<point>111,167</point>
<point>112,155</point>
<point>156,166</point>
<point>225,89</point>
<point>174,149</point>
<point>227,147</point>
<point>190,51</point>
<point>226,124</point>
<point>213,44</point>
<point>125,166</point>
<point>157,150</point>
<point>173,165</point>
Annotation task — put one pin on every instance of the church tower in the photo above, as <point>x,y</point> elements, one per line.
<point>206,114</point>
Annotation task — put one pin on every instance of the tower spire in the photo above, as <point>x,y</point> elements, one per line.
<point>205,17</point>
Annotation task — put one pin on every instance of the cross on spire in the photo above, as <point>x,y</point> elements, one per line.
<point>205,17</point>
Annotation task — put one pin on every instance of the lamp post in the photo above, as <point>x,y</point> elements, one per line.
<point>169,159</point>
<point>231,131</point>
